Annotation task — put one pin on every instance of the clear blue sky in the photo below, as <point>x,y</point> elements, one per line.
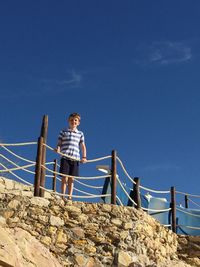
<point>130,68</point>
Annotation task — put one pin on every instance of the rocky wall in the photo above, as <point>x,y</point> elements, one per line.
<point>88,234</point>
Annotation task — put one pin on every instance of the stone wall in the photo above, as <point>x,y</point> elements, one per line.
<point>88,234</point>
<point>189,249</point>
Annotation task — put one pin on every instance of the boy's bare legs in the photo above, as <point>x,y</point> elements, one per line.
<point>64,185</point>
<point>70,187</point>
<point>67,182</point>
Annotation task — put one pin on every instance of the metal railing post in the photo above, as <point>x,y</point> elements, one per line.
<point>173,207</point>
<point>113,177</point>
<point>54,175</point>
<point>186,201</point>
<point>38,167</point>
<point>43,134</point>
<point>136,192</point>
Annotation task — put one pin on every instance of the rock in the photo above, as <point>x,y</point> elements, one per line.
<point>85,234</point>
<point>123,259</point>
<point>56,221</point>
<point>39,201</point>
<point>18,248</point>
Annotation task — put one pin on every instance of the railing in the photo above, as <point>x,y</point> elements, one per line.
<point>42,171</point>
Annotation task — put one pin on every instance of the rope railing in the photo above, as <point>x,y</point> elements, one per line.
<point>190,227</point>
<point>83,192</point>
<point>156,210</point>
<point>18,144</point>
<point>192,195</point>
<point>18,168</point>
<point>72,158</point>
<point>119,200</point>
<point>79,177</point>
<point>126,192</point>
<point>125,171</point>
<point>142,187</point>
<point>87,185</point>
<point>17,156</point>
<point>12,162</point>
<point>75,196</point>
<point>154,191</point>
<point>188,213</point>
<point>194,202</point>
<point>14,174</point>
<point>90,195</point>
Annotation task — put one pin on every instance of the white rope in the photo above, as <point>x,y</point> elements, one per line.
<point>167,225</point>
<point>77,177</point>
<point>80,191</point>
<point>194,215</point>
<point>18,168</point>
<point>126,192</point>
<point>119,200</point>
<point>154,191</point>
<point>19,144</point>
<point>16,164</point>
<point>72,158</point>
<point>87,185</point>
<point>16,175</point>
<point>49,190</point>
<point>190,227</point>
<point>49,175</point>
<point>123,168</point>
<point>151,190</point>
<point>74,196</point>
<point>98,159</point>
<point>193,202</point>
<point>58,179</point>
<point>11,152</point>
<point>130,178</point>
<point>187,194</point>
<point>153,210</point>
<point>49,163</point>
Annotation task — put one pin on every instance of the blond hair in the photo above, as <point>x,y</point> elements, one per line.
<point>73,115</point>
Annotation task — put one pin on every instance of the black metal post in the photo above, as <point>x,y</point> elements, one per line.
<point>113,177</point>
<point>173,208</point>
<point>186,201</point>
<point>44,129</point>
<point>38,167</point>
<point>54,175</point>
<point>136,192</point>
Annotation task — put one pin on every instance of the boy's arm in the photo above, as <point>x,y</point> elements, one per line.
<point>57,149</point>
<point>84,152</point>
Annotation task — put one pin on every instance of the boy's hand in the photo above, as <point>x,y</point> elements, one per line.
<point>57,149</point>
<point>83,160</point>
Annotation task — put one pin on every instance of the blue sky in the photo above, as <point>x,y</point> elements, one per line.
<point>130,68</point>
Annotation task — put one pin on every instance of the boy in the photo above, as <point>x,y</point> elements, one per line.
<point>69,142</point>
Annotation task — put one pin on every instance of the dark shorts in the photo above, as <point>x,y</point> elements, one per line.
<point>69,167</point>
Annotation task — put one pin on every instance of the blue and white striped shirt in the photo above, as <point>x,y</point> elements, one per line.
<point>69,142</point>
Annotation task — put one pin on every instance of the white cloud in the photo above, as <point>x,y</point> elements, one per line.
<point>165,53</point>
<point>52,86</point>
<point>162,167</point>
<point>73,79</point>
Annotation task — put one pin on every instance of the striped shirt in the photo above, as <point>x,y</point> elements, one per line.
<point>69,142</point>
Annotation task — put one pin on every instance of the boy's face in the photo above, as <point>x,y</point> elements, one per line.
<point>73,122</point>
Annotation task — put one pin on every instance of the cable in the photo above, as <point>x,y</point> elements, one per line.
<point>73,158</point>
<point>27,160</point>
<point>187,194</point>
<point>19,144</point>
<point>191,214</point>
<point>79,177</point>
<point>16,175</point>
